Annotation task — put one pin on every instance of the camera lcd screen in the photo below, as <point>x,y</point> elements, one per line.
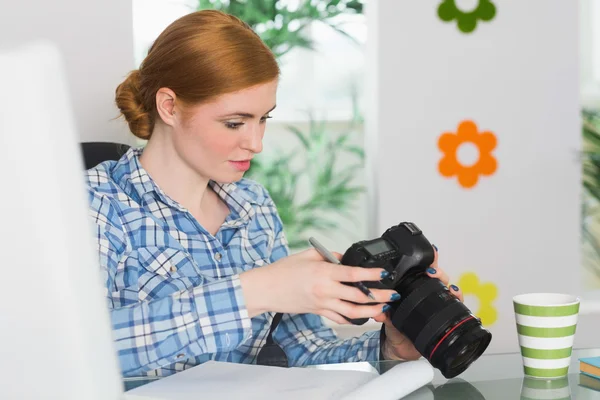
<point>379,246</point>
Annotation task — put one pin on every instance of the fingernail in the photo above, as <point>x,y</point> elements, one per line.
<point>386,308</point>
<point>435,247</point>
<point>384,274</point>
<point>454,287</point>
<point>395,297</point>
<point>432,271</point>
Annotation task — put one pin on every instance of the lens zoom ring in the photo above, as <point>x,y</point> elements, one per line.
<point>414,298</point>
<point>438,324</point>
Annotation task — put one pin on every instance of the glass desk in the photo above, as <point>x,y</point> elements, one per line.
<point>500,376</point>
<point>494,376</point>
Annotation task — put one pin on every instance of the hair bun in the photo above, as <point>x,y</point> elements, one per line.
<point>130,102</point>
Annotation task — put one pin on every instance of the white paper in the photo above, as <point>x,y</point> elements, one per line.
<point>217,380</point>
<point>396,383</point>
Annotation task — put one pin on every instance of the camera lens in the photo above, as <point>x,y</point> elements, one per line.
<point>457,355</point>
<point>465,356</point>
<point>441,327</point>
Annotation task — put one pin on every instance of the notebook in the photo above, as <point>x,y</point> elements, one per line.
<point>223,380</point>
<point>590,366</point>
<point>588,382</point>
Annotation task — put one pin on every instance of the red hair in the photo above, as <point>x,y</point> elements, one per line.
<point>199,56</point>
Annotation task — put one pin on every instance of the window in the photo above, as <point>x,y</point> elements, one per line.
<point>321,81</point>
<point>151,17</point>
<point>590,52</point>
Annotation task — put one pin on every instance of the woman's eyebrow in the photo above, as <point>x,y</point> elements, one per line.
<point>244,114</point>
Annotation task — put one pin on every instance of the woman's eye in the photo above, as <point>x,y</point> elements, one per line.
<point>265,118</point>
<point>233,125</point>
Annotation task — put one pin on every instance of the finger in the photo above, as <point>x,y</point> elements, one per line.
<point>455,290</point>
<point>344,273</point>
<point>353,294</point>
<point>335,317</point>
<point>435,256</point>
<point>388,322</point>
<point>354,311</point>
<point>439,274</point>
<point>311,254</point>
<point>383,317</point>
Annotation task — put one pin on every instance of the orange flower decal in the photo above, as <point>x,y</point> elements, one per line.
<point>450,165</point>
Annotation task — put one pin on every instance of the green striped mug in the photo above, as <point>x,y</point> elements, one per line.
<point>546,324</point>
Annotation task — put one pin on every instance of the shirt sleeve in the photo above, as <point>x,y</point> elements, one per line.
<point>207,318</point>
<point>306,340</point>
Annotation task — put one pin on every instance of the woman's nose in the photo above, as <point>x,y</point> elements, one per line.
<point>253,141</point>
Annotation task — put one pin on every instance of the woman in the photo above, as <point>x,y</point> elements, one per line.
<point>194,256</point>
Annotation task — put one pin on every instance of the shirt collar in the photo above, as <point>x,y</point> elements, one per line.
<point>136,181</point>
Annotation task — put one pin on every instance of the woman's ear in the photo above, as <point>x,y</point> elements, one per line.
<point>165,105</point>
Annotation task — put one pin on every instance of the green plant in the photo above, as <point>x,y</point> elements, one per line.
<point>330,190</point>
<point>281,26</point>
<point>591,184</point>
<point>314,163</point>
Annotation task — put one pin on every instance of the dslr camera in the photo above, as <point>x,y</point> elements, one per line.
<point>440,326</point>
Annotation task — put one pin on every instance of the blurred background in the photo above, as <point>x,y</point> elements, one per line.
<point>478,120</point>
<point>314,159</point>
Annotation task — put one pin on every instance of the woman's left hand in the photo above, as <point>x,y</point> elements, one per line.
<point>399,347</point>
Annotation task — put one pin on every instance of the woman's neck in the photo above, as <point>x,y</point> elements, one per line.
<point>172,174</point>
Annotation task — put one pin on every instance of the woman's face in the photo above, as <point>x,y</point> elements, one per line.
<point>218,139</point>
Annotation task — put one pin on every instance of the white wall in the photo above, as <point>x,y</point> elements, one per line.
<point>96,41</point>
<point>516,76</point>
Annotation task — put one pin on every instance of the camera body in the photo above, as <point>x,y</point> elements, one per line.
<point>401,250</point>
<point>440,326</point>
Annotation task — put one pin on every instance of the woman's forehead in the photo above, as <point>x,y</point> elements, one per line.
<point>256,100</point>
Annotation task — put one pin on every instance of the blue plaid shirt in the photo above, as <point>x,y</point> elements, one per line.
<point>173,289</point>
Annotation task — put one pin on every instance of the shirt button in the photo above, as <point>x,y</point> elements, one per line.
<point>173,268</point>
<point>179,355</point>
<point>218,256</point>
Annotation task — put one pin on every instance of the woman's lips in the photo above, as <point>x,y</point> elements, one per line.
<point>241,165</point>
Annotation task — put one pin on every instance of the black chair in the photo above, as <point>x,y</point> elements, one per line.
<point>96,152</point>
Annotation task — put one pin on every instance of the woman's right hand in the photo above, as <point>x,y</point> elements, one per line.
<point>306,283</point>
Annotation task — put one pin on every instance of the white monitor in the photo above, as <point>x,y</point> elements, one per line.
<point>55,337</point>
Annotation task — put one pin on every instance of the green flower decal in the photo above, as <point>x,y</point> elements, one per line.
<point>466,21</point>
